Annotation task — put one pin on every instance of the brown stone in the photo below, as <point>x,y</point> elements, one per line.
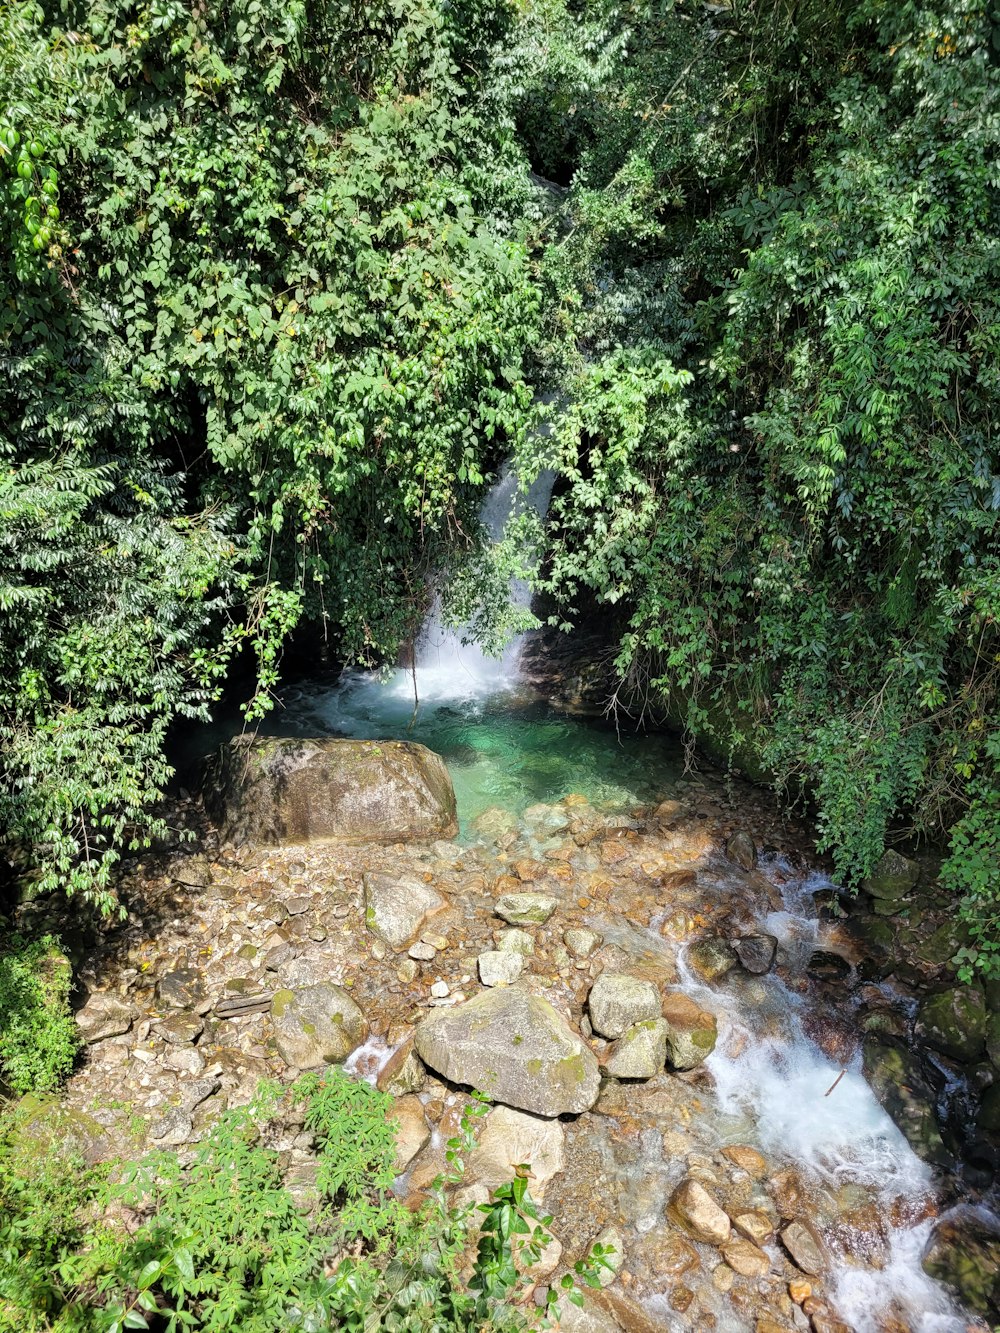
<point>799,1291</point>
<point>747,1159</point>
<point>681,1298</point>
<point>696,1212</point>
<point>754,1225</point>
<point>786,1191</point>
<point>747,1260</point>
<point>804,1243</point>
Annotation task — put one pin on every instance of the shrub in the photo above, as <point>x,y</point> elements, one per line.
<point>38,1037</point>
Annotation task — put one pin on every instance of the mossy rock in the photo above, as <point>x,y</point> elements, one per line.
<point>964,1252</point>
<point>894,877</point>
<point>954,1022</point>
<point>897,1080</point>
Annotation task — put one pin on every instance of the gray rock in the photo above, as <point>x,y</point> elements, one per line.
<point>514,1047</point>
<point>525,909</point>
<point>499,967</point>
<point>403,1072</point>
<point>193,872</point>
<point>804,1243</point>
<point>510,1137</point>
<point>691,1031</point>
<point>640,1052</point>
<point>582,942</point>
<point>397,908</point>
<point>180,1029</point>
<point>894,877</point>
<point>238,1006</point>
<point>181,989</point>
<point>756,953</point>
<point>172,1128</point>
<point>516,941</point>
<point>742,849</point>
<point>288,790</point>
<point>612,1240</point>
<point>104,1016</point>
<point>421,952</point>
<point>412,1130</point>
<point>316,1025</point>
<point>617,1001</point>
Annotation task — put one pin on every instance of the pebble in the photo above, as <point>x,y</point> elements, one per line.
<point>423,953</point>
<point>440,989</point>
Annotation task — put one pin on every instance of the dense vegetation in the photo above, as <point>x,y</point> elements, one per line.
<point>280,290</point>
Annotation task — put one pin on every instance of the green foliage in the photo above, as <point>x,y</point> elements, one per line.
<point>38,1036</point>
<point>255,370</point>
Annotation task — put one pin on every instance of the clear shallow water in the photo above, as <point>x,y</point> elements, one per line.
<point>503,746</point>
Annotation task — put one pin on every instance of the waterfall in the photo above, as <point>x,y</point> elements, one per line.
<point>448,668</point>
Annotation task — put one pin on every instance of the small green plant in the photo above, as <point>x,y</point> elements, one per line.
<point>38,1037</point>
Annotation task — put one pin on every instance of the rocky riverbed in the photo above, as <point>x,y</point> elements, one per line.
<point>658,1010</point>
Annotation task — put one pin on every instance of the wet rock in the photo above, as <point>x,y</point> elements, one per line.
<point>398,907</point>
<point>640,1052</point>
<point>785,1189</point>
<point>510,1137</point>
<point>742,849</point>
<point>988,1119</point>
<point>316,1025</point>
<point>691,1031</point>
<point>618,1001</point>
<point>104,1016</point>
<point>747,1159</point>
<point>582,942</point>
<point>804,1243</point>
<point>612,1241</point>
<point>754,1225</point>
<point>954,1022</point>
<point>894,877</point>
<point>403,1072</point>
<point>756,953</point>
<point>744,1257</point>
<point>180,1029</point>
<point>499,967</point>
<point>897,1080</point>
<point>514,1047</point>
<point>711,959</point>
<point>412,1130</point>
<point>825,965</point>
<point>525,909</point>
<point>289,790</point>
<point>964,1251</point>
<point>516,941</point>
<point>181,989</point>
<point>993,1039</point>
<point>693,1208</point>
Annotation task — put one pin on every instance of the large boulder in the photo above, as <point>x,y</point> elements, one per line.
<point>316,1025</point>
<point>895,1076</point>
<point>640,1053</point>
<point>509,1138</point>
<point>954,1022</point>
<point>894,877</point>
<point>289,790</point>
<point>964,1251</point>
<point>514,1047</point>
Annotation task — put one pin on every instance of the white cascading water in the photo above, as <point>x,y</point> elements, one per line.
<point>447,667</point>
<point>774,1084</point>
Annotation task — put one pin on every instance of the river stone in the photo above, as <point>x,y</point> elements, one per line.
<point>181,989</point>
<point>756,953</point>
<point>755,1225</point>
<point>897,1080</point>
<point>278,790</point>
<point>582,942</point>
<point>514,1047</point>
<point>180,1028</point>
<point>893,877</point>
<point>747,1159</point>
<point>964,1251</point>
<point>640,1052</point>
<point>745,1258</point>
<point>403,1071</point>
<point>316,1025</point>
<point>499,967</point>
<point>618,1001</point>
<point>525,909</point>
<point>696,1212</point>
<point>742,849</point>
<point>398,907</point>
<point>954,1022</point>
<point>691,1031</point>
<point>803,1242</point>
<point>516,941</point>
<point>510,1137</point>
<point>104,1016</point>
<point>412,1130</point>
<point>711,958</point>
